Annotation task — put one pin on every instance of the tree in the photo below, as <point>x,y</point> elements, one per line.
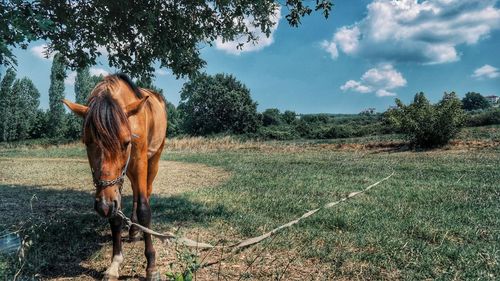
<point>173,126</point>
<point>289,116</point>
<point>217,104</point>
<point>271,116</point>
<point>57,120</point>
<point>40,125</point>
<point>5,102</point>
<point>84,84</point>
<point>428,125</point>
<point>475,101</point>
<point>25,101</point>
<point>96,79</point>
<point>134,34</point>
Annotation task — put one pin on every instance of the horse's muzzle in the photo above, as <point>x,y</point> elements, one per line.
<point>104,208</point>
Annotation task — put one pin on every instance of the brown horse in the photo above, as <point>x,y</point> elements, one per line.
<point>124,132</point>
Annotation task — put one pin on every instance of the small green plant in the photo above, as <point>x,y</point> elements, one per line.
<point>185,266</point>
<point>427,125</point>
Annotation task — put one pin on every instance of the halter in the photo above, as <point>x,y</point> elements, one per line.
<point>103,184</point>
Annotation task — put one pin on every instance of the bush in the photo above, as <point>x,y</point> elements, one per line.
<point>484,118</point>
<point>317,118</point>
<point>277,133</point>
<point>427,125</point>
<point>302,128</point>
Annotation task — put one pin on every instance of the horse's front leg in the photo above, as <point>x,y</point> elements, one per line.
<point>112,273</point>
<point>134,233</point>
<point>144,216</point>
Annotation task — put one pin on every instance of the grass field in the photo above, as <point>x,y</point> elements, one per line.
<point>438,217</point>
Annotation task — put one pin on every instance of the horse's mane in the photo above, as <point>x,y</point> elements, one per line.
<point>128,81</point>
<point>105,117</point>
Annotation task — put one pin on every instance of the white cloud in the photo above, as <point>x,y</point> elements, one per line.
<point>331,48</point>
<point>347,38</point>
<point>263,41</point>
<point>98,71</point>
<point>162,72</point>
<point>379,80</point>
<point>427,32</point>
<point>486,71</point>
<point>40,50</point>
<point>70,78</point>
<point>384,93</point>
<point>355,86</point>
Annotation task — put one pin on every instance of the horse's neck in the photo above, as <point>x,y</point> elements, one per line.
<point>124,96</point>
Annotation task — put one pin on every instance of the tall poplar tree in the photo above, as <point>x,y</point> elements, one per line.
<point>5,111</point>
<point>84,83</point>
<point>56,93</point>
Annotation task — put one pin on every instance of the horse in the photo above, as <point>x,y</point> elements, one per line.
<point>124,129</point>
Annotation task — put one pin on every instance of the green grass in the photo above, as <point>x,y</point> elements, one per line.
<point>438,217</point>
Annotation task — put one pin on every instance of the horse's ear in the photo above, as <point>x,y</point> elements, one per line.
<point>78,109</point>
<point>136,106</point>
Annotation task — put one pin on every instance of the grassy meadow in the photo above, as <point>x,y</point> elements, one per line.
<point>438,217</point>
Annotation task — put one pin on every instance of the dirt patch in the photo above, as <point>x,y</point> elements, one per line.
<point>48,191</point>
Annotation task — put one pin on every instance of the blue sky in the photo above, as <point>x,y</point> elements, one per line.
<point>365,55</point>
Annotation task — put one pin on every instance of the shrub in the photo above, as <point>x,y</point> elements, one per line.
<point>427,125</point>
<point>302,128</point>
<point>277,133</point>
<point>484,118</point>
<point>317,118</point>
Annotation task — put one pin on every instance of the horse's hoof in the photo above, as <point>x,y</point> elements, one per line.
<point>108,277</point>
<point>153,276</point>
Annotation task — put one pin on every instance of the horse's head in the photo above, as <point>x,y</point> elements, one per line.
<point>108,139</point>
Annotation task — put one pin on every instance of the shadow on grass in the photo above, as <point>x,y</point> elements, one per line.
<point>64,231</point>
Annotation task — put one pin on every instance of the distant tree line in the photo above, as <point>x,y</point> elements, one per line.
<point>220,104</point>
<point>20,115</point>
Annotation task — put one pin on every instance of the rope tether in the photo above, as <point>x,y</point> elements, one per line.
<point>251,241</point>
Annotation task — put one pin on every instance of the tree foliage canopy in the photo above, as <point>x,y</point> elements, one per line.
<point>56,93</point>
<point>217,104</point>
<point>271,116</point>
<point>475,101</point>
<point>19,101</point>
<point>137,33</point>
<point>84,84</point>
<point>5,101</point>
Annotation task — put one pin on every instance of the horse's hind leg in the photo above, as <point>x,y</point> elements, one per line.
<point>112,273</point>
